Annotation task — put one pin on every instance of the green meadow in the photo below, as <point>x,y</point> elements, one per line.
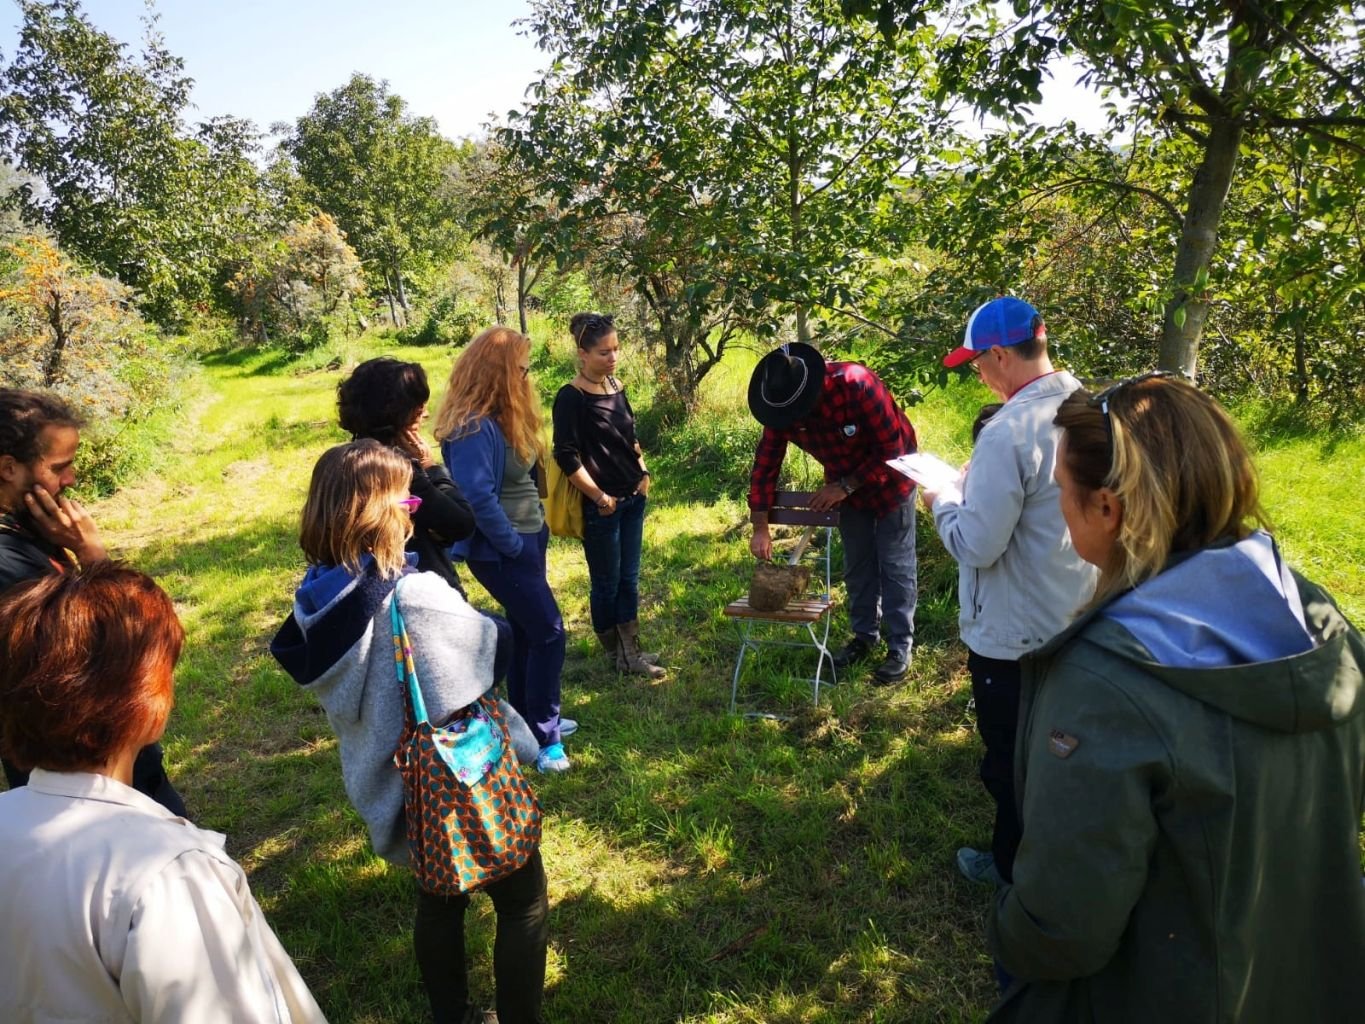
<point>704,868</point>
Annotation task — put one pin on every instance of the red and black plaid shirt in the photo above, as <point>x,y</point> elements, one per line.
<point>853,429</point>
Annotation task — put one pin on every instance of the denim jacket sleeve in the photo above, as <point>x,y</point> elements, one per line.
<point>476,462</point>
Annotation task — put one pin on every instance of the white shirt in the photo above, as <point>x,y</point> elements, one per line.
<point>113,909</point>
<point>1020,581</point>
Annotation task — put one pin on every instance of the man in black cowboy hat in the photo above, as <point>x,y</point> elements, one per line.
<point>843,416</point>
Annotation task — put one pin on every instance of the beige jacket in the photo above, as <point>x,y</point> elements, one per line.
<point>113,909</point>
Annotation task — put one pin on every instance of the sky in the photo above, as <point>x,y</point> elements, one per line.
<point>459,61</point>
<point>455,60</point>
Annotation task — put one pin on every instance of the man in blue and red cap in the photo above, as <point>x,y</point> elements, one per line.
<point>1019,578</point>
<point>843,416</point>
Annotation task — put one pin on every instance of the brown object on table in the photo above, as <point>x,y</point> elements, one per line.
<point>775,585</point>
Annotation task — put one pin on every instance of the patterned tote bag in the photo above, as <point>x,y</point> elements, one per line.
<point>471,816</point>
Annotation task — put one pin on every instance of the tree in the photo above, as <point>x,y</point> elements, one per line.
<point>744,151</point>
<point>383,175</point>
<point>124,185</point>
<point>69,331</point>
<point>500,203</point>
<point>299,283</point>
<point>1227,77</point>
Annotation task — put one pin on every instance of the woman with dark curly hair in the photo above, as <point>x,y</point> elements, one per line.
<point>386,399</point>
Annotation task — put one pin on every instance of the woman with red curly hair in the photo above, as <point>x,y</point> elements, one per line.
<point>112,907</point>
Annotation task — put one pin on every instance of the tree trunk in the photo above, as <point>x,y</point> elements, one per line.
<point>52,365</point>
<point>1300,364</point>
<point>521,295</point>
<point>1198,238</point>
<point>388,294</point>
<point>402,295</point>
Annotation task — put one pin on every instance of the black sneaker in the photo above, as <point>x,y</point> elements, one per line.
<point>892,670</point>
<point>854,651</point>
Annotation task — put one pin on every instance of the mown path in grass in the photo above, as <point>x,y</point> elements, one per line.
<point>702,868</point>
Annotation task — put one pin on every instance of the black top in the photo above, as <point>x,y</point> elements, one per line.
<point>26,556</point>
<point>597,432</point>
<point>444,517</point>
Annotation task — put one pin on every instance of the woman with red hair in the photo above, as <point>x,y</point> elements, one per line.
<point>112,907</point>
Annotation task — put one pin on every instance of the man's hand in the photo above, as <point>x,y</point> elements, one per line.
<point>412,442</point>
<point>927,497</point>
<point>762,543</point>
<point>828,497</point>
<point>63,521</point>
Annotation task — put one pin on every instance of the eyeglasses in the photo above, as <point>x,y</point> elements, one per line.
<point>1101,401</point>
<point>412,503</point>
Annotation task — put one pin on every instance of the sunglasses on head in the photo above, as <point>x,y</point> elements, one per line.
<point>411,503</point>
<point>1101,400</point>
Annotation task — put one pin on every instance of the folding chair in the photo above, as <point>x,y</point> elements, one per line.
<point>791,508</point>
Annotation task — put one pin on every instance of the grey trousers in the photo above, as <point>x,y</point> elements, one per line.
<point>880,573</point>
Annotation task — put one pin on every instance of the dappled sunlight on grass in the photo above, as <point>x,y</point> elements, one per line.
<point>703,868</point>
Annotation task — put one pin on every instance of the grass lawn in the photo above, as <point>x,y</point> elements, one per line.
<point>703,867</point>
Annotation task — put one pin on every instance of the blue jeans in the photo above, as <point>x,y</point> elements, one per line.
<point>611,545</point>
<point>519,585</point>
<point>879,573</point>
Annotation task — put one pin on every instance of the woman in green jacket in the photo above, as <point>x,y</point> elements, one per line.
<point>1192,749</point>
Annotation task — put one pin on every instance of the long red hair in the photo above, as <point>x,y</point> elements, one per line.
<point>486,382</point>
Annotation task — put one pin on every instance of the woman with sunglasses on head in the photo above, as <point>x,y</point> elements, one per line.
<point>113,908</point>
<point>489,427</point>
<point>1191,749</point>
<point>386,399</point>
<point>338,644</point>
<point>596,447</point>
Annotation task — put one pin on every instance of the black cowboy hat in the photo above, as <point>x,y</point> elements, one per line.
<point>786,385</point>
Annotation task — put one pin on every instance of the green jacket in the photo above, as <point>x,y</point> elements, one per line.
<point>1191,839</point>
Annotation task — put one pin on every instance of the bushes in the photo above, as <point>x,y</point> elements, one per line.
<point>76,333</point>
<point>298,289</point>
<point>450,320</point>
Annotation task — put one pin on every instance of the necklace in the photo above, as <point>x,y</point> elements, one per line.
<point>601,382</point>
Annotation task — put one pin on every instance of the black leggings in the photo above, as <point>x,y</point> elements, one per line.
<point>995,688</point>
<point>522,905</point>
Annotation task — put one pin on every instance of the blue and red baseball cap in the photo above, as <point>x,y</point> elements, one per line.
<point>996,324</point>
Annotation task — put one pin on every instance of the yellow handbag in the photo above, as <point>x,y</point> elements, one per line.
<point>563,503</point>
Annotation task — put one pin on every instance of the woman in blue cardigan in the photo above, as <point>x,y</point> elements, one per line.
<point>489,427</point>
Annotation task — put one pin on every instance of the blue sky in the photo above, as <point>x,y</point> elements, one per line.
<point>454,60</point>
<point>458,61</point>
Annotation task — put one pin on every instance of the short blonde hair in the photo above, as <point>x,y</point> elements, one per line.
<point>1178,466</point>
<point>486,382</point>
<point>352,508</point>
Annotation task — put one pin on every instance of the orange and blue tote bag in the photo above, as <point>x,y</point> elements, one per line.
<point>471,816</point>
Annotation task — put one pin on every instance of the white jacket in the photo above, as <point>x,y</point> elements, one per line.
<point>1020,581</point>
<point>113,909</point>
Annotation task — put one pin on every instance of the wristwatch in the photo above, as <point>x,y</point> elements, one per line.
<point>848,488</point>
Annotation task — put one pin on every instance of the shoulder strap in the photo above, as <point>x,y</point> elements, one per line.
<point>402,658</point>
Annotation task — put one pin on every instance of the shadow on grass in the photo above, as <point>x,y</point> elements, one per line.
<point>702,863</point>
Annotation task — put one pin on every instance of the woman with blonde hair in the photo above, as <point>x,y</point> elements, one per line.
<point>112,907</point>
<point>1191,748</point>
<point>489,426</point>
<point>338,644</point>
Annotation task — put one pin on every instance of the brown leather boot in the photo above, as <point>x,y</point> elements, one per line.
<point>636,663</point>
<point>611,643</point>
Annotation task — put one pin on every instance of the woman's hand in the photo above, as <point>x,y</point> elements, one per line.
<point>643,488</point>
<point>415,446</point>
<point>606,504</point>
